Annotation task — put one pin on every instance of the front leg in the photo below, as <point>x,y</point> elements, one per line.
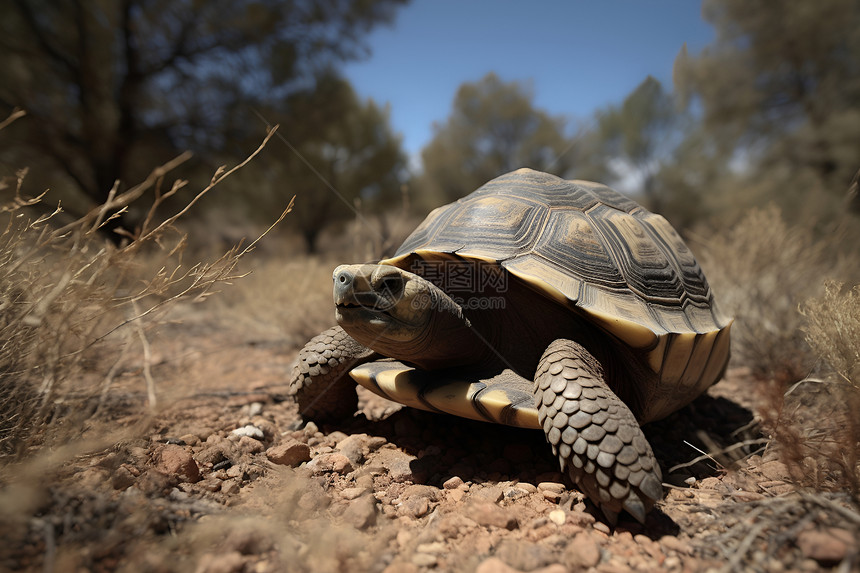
<point>594,434</point>
<point>324,391</point>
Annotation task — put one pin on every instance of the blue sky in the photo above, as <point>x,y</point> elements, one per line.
<point>578,55</point>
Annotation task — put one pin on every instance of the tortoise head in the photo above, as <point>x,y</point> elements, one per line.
<point>401,315</point>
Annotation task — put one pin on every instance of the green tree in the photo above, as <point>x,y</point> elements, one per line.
<point>778,90</point>
<point>106,81</point>
<point>493,128</point>
<point>631,140</point>
<point>342,149</point>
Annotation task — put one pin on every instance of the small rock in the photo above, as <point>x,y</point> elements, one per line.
<point>456,495</point>
<point>491,493</point>
<point>351,493</point>
<point>332,462</point>
<point>177,462</point>
<point>353,448</point>
<point>230,562</point>
<point>250,445</point>
<point>582,552</point>
<point>515,493</point>
<point>190,439</point>
<point>424,560</point>
<point>230,487</point>
<point>526,486</point>
<point>361,513</point>
<point>314,497</point>
<point>551,496</point>
<point>435,548</point>
<point>775,470</point>
<point>554,568</point>
<point>489,514</point>
<point>453,483</point>
<point>401,567</point>
<point>601,527</point>
<point>523,555</point>
<point>494,565</point>
<point>122,478</point>
<point>311,429</point>
<point>557,516</point>
<point>236,472</point>
<point>290,453</point>
<point>827,547</point>
<point>674,544</point>
<point>249,431</point>
<point>418,490</point>
<point>396,463</point>
<point>415,507</point>
<point>551,486</point>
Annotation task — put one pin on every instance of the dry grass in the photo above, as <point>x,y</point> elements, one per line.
<point>73,303</point>
<point>761,269</point>
<point>763,272</point>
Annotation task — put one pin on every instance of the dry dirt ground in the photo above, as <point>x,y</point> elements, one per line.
<point>225,477</point>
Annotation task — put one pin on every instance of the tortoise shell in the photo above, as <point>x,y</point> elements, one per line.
<point>598,253</point>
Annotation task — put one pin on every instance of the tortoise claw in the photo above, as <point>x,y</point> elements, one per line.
<point>611,516</point>
<point>635,507</point>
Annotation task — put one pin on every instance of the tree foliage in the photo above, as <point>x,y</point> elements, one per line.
<point>341,150</point>
<point>631,139</point>
<point>493,128</point>
<point>778,90</point>
<point>107,81</point>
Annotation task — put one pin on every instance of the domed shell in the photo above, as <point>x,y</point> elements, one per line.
<point>599,253</point>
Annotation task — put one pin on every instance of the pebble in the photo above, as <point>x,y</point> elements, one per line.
<point>774,470</point>
<point>290,453</point>
<point>523,555</point>
<point>351,493</point>
<point>582,552</point>
<point>674,544</point>
<point>415,507</point>
<point>250,445</point>
<point>601,527</point>
<point>331,462</point>
<point>551,486</point>
<point>827,547</point>
<point>494,565</point>
<point>434,547</point>
<point>396,463</point>
<point>311,429</point>
<point>515,493</point>
<point>177,462</point>
<point>230,487</point>
<point>424,560</point>
<point>526,486</point>
<point>401,567</point>
<point>489,514</point>
<point>122,478</point>
<point>250,431</point>
<point>557,516</point>
<point>489,493</point>
<point>453,483</point>
<point>361,513</point>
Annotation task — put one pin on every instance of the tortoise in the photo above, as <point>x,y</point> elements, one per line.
<point>534,302</point>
